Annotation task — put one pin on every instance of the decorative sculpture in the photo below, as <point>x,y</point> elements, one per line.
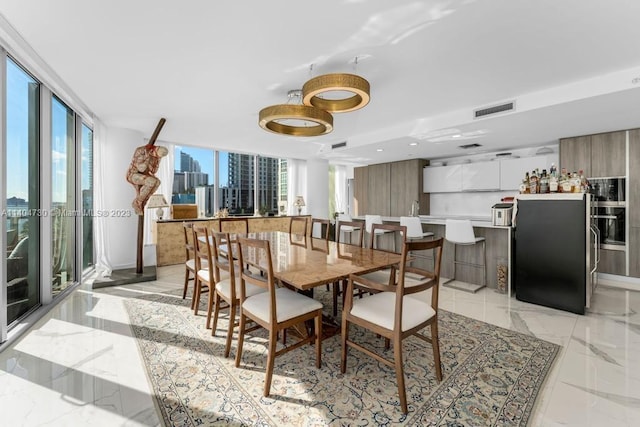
<point>141,173</point>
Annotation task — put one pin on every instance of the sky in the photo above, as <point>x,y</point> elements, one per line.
<point>204,156</point>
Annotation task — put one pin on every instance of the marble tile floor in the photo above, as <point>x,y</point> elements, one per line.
<point>79,365</point>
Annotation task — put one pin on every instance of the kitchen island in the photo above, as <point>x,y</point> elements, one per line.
<point>498,245</point>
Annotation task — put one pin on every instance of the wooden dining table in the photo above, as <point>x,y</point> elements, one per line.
<point>305,262</point>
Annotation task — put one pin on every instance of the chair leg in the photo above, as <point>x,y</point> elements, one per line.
<point>454,261</point>
<point>318,325</point>
<point>336,291</point>
<point>243,322</point>
<point>210,305</point>
<point>232,320</point>
<point>216,312</point>
<point>436,350</point>
<point>271,355</point>
<point>345,334</point>
<point>397,352</point>
<point>195,303</point>
<point>186,282</point>
<point>484,263</point>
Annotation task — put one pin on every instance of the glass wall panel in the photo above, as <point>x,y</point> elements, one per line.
<point>268,188</point>
<point>63,206</point>
<point>193,179</point>
<point>23,193</point>
<point>236,183</point>
<point>87,197</point>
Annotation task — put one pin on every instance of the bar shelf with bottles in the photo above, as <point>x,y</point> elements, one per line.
<point>538,182</point>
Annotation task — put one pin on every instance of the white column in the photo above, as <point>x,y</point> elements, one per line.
<point>317,193</point>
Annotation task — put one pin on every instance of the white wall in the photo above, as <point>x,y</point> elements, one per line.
<point>119,146</point>
<point>478,204</point>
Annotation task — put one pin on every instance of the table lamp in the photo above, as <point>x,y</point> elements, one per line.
<point>299,203</point>
<point>157,201</point>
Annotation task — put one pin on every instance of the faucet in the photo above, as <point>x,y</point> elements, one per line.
<point>415,208</point>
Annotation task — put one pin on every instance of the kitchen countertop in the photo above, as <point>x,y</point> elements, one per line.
<point>476,221</point>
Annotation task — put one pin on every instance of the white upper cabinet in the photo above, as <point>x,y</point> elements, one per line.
<point>512,171</point>
<point>442,179</point>
<point>481,176</point>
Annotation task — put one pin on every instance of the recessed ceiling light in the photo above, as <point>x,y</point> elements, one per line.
<point>379,149</point>
<point>456,136</point>
<point>413,144</point>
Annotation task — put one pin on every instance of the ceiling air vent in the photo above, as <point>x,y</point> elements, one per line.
<point>339,145</point>
<point>467,146</point>
<point>483,112</point>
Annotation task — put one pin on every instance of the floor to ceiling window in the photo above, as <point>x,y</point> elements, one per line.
<point>23,192</point>
<point>87,196</point>
<point>63,205</point>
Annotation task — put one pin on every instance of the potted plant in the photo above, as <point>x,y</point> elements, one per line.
<point>263,211</point>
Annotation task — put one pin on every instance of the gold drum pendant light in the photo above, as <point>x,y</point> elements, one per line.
<point>339,82</point>
<point>272,118</point>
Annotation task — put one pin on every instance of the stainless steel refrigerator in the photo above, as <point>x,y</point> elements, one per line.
<point>554,250</point>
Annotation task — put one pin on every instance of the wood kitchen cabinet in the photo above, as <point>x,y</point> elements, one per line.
<point>360,190</point>
<point>608,154</point>
<point>575,154</point>
<point>633,180</point>
<point>379,189</point>
<point>389,189</point>
<point>612,262</point>
<point>634,251</point>
<point>599,155</point>
<point>406,187</point>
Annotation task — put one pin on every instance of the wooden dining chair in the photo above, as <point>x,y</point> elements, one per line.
<point>385,274</point>
<point>275,310</point>
<point>298,225</point>
<point>321,224</point>
<point>233,225</point>
<point>394,313</point>
<point>346,228</point>
<point>204,276</point>
<point>227,286</point>
<point>190,259</point>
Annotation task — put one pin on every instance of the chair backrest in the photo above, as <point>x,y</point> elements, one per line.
<point>429,279</point>
<point>350,227</point>
<point>369,220</point>
<point>190,249</point>
<point>255,254</point>
<point>316,228</point>
<point>388,228</point>
<point>233,225</point>
<point>222,254</point>
<point>202,244</point>
<point>298,225</point>
<point>413,224</point>
<point>459,231</point>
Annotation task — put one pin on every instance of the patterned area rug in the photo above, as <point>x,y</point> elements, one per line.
<point>492,376</point>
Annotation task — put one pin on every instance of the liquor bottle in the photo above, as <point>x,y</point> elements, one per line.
<point>533,182</point>
<point>575,182</point>
<point>584,186</point>
<point>553,180</point>
<point>544,182</point>
<point>565,181</point>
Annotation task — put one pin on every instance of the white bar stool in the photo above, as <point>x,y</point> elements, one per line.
<point>415,232</point>
<point>369,220</point>
<point>460,232</point>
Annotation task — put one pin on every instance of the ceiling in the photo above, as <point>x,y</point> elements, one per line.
<point>571,66</point>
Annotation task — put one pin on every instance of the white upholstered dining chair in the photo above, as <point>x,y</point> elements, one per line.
<point>274,310</point>
<point>394,314</point>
